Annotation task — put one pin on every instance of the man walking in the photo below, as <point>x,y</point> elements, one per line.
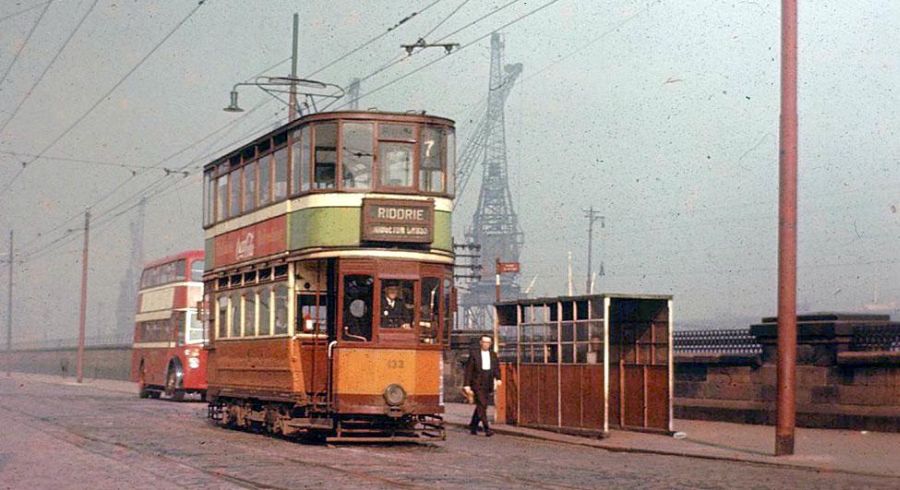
<point>482,371</point>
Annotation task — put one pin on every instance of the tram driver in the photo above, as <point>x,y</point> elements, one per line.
<point>396,312</point>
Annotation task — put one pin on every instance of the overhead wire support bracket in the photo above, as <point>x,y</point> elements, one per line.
<point>422,44</point>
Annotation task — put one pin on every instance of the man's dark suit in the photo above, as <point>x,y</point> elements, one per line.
<point>482,383</point>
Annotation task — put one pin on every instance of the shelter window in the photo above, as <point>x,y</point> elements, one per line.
<point>357,155</point>
<point>265,180</point>
<point>221,197</point>
<point>249,313</point>
<point>281,174</point>
<point>429,310</point>
<point>235,181</point>
<point>396,161</point>
<point>431,172</point>
<point>397,303</point>
<point>265,312</point>
<point>300,163</point>
<point>281,309</point>
<point>357,312</point>
<point>325,155</point>
<point>249,186</point>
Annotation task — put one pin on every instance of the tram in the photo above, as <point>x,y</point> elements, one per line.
<point>168,354</point>
<point>329,277</point>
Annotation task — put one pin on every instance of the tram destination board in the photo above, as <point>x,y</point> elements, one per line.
<point>390,220</point>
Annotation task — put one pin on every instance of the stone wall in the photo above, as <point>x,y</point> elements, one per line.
<point>105,362</point>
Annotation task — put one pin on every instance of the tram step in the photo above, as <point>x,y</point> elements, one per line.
<point>310,423</point>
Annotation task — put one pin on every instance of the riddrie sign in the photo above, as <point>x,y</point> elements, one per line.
<point>389,220</point>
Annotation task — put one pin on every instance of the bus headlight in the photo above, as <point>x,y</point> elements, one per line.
<point>394,395</point>
<point>193,362</point>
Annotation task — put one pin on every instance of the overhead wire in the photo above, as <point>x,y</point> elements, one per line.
<point>29,9</point>
<point>24,43</point>
<point>100,100</point>
<point>47,68</point>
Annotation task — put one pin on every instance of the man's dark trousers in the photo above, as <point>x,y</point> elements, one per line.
<point>482,388</point>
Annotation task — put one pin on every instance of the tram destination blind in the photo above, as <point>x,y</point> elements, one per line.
<point>388,220</point>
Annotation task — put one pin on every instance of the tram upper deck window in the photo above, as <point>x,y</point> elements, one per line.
<point>279,191</point>
<point>357,155</point>
<point>395,155</point>
<point>249,186</point>
<point>208,198</point>
<point>431,167</point>
<point>235,192</point>
<point>397,303</point>
<point>357,309</point>
<point>221,197</point>
<point>265,180</point>
<point>300,161</point>
<point>325,156</point>
<point>451,161</point>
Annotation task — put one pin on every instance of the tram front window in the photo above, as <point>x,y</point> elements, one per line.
<point>396,164</point>
<point>357,307</point>
<point>397,303</point>
<point>429,308</point>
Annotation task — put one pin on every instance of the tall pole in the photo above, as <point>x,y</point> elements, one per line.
<point>787,235</point>
<point>9,305</point>
<point>79,361</point>
<point>292,112</point>
<point>592,216</point>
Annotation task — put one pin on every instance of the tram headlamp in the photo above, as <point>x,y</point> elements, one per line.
<point>394,395</point>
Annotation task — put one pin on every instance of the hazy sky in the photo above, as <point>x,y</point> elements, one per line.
<point>662,115</point>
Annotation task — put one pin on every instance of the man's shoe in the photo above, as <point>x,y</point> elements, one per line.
<point>488,433</point>
<point>473,431</point>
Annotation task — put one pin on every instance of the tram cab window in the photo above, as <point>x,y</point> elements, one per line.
<point>357,155</point>
<point>311,319</point>
<point>281,310</point>
<point>431,174</point>
<point>281,174</point>
<point>397,303</point>
<point>325,155</point>
<point>429,310</point>
<point>357,308</point>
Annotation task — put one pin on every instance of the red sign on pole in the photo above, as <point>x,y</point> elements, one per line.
<point>507,267</point>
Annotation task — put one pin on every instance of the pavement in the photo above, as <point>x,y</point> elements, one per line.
<point>827,450</point>
<point>823,450</point>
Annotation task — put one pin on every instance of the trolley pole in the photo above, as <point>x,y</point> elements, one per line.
<point>787,235</point>
<point>79,362</point>
<point>9,305</point>
<point>292,111</point>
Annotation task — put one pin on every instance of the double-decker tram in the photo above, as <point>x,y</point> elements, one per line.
<point>329,277</point>
<point>168,354</point>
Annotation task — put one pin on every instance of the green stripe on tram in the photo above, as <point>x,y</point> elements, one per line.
<point>341,227</point>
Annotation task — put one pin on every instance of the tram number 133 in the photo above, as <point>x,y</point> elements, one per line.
<point>395,364</point>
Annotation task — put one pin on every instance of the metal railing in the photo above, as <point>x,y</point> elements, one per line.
<point>719,341</point>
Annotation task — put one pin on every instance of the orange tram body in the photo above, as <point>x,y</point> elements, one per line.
<point>329,277</point>
<point>168,354</point>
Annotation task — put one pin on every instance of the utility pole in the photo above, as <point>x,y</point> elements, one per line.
<point>787,235</point>
<point>292,111</point>
<point>9,305</point>
<point>592,217</point>
<point>79,362</point>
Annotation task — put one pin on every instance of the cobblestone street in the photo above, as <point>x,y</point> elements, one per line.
<point>69,436</point>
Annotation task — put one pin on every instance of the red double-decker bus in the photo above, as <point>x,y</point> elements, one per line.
<point>168,354</point>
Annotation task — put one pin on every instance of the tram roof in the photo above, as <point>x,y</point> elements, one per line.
<point>408,117</point>
<point>185,254</point>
